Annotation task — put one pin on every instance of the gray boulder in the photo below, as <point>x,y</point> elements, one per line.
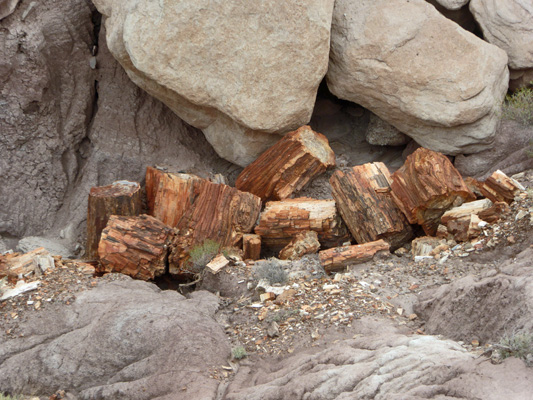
<point>122,340</point>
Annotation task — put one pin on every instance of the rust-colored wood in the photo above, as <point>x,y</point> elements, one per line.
<point>119,198</point>
<point>288,165</point>
<point>303,243</point>
<point>499,187</point>
<point>464,228</point>
<point>282,220</point>
<point>251,246</point>
<point>495,212</point>
<point>337,259</point>
<point>364,200</point>
<point>426,186</point>
<point>464,210</point>
<point>210,211</point>
<point>135,246</point>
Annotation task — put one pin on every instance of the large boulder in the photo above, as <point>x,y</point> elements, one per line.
<point>124,339</point>
<point>452,4</point>
<point>418,71</point>
<point>238,71</point>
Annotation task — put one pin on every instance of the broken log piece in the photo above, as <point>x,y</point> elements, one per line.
<point>215,212</point>
<point>251,246</point>
<point>500,187</point>
<point>119,198</point>
<point>282,220</point>
<point>464,228</point>
<point>365,203</point>
<point>337,259</point>
<point>303,243</point>
<point>288,165</point>
<point>495,212</point>
<point>424,245</point>
<point>135,246</point>
<point>464,210</point>
<point>34,263</point>
<point>426,186</point>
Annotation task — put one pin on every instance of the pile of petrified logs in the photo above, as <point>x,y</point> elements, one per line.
<point>370,207</point>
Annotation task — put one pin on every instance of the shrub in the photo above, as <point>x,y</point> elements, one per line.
<point>519,345</point>
<point>239,353</point>
<point>270,270</point>
<point>200,255</point>
<point>519,106</point>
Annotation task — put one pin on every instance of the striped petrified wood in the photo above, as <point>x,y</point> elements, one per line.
<point>288,165</point>
<point>337,259</point>
<point>364,200</point>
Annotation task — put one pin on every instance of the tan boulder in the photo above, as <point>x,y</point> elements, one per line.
<point>452,4</point>
<point>418,71</point>
<point>237,70</point>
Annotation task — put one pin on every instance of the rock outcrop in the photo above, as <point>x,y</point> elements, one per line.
<point>420,72</point>
<point>236,71</point>
<point>7,7</point>
<point>123,340</point>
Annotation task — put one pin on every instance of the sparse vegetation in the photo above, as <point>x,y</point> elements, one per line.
<point>519,345</point>
<point>8,397</point>
<point>239,353</point>
<point>201,254</point>
<point>270,270</point>
<point>519,106</point>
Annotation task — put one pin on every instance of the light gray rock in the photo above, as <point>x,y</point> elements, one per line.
<point>56,247</point>
<point>452,4</point>
<point>7,7</point>
<point>520,78</point>
<point>508,25</point>
<point>244,67</point>
<point>382,133</point>
<point>383,365</point>
<point>123,340</point>
<point>418,71</point>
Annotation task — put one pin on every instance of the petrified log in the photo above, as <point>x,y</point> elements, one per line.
<point>135,246</point>
<point>464,228</point>
<point>422,246</point>
<point>211,212</point>
<point>499,187</point>
<point>464,210</point>
<point>303,243</point>
<point>495,212</point>
<point>119,198</point>
<point>288,165</point>
<point>337,259</point>
<point>251,246</point>
<point>22,265</point>
<point>426,186</point>
<point>282,220</point>
<point>363,196</point>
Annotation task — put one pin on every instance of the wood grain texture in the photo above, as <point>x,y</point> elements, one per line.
<point>251,246</point>
<point>287,166</point>
<point>426,186</point>
<point>337,259</point>
<point>119,198</point>
<point>135,246</point>
<point>364,200</point>
<point>499,187</point>
<point>302,244</point>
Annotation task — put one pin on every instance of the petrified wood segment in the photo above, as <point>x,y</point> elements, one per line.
<point>251,246</point>
<point>363,196</point>
<point>135,246</point>
<point>499,187</point>
<point>337,259</point>
<point>303,243</point>
<point>282,220</point>
<point>119,198</point>
<point>426,186</point>
<point>288,165</point>
<point>466,209</point>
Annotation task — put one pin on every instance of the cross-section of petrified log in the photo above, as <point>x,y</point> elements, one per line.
<point>288,165</point>
<point>337,259</point>
<point>119,198</point>
<point>426,186</point>
<point>210,211</point>
<point>251,246</point>
<point>303,243</point>
<point>135,246</point>
<point>282,220</point>
<point>363,196</point>
<point>499,187</point>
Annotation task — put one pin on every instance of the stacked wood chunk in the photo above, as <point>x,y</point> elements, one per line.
<point>303,243</point>
<point>337,259</point>
<point>499,187</point>
<point>288,165</point>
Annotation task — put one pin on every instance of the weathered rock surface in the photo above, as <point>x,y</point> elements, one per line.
<point>484,308</point>
<point>452,4</point>
<point>383,364</point>
<point>7,7</point>
<point>508,25</point>
<point>123,340</point>
<point>432,80</point>
<point>382,133</point>
<point>221,66</point>
<point>461,16</point>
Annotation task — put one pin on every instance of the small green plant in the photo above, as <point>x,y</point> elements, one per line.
<point>238,352</point>
<point>519,106</point>
<point>200,255</point>
<point>519,345</point>
<point>270,270</point>
<point>8,397</point>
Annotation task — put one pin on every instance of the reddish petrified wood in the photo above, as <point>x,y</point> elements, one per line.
<point>364,200</point>
<point>303,243</point>
<point>337,259</point>
<point>119,198</point>
<point>499,187</point>
<point>426,186</point>
<point>136,246</point>
<point>281,221</point>
<point>288,165</point>
<point>251,246</point>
